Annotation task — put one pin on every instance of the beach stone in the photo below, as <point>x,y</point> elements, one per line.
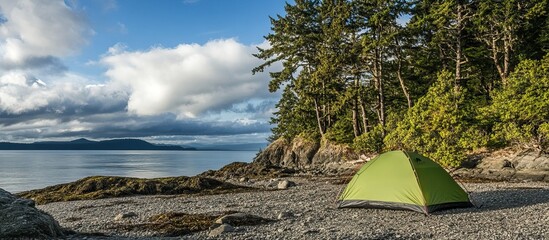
<point>223,228</point>
<point>20,219</point>
<point>213,226</point>
<point>285,215</point>
<point>121,216</point>
<point>24,201</point>
<point>285,184</point>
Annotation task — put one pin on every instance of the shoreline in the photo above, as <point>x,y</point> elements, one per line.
<point>508,211</point>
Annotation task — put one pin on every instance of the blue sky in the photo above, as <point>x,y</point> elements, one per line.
<point>142,24</point>
<point>166,71</point>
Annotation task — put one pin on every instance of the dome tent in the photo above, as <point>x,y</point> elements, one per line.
<point>403,180</point>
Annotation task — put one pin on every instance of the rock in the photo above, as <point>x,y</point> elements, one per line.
<point>243,179</point>
<point>308,155</point>
<point>24,201</point>
<point>497,175</point>
<point>531,175</point>
<point>285,184</point>
<point>309,231</point>
<point>97,187</point>
<point>240,219</point>
<point>532,161</point>
<point>239,170</point>
<point>214,226</point>
<point>20,219</point>
<point>272,183</point>
<point>285,215</point>
<point>223,228</point>
<point>508,165</point>
<point>121,216</point>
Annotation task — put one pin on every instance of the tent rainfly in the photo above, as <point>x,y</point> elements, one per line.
<point>403,180</point>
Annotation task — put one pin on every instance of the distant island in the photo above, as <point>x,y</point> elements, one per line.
<point>85,144</point>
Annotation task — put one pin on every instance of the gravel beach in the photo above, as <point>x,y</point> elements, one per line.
<point>508,211</point>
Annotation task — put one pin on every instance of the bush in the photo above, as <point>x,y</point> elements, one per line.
<point>370,142</point>
<point>341,132</point>
<point>440,125</point>
<point>520,109</point>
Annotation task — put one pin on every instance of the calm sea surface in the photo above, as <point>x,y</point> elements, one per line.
<point>26,170</point>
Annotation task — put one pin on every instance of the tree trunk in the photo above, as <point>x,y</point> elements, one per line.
<point>318,118</point>
<point>495,57</point>
<point>459,22</point>
<point>363,114</point>
<point>507,47</point>
<point>399,75</point>
<point>381,96</point>
<point>356,128</point>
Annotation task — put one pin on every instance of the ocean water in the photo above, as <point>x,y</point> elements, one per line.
<point>27,170</point>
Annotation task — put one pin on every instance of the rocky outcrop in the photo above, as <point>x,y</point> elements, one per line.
<point>327,158</point>
<point>245,171</point>
<point>297,154</point>
<point>20,219</point>
<point>507,165</point>
<point>97,187</point>
<point>303,154</point>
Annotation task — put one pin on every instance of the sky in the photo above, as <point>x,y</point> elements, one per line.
<point>171,71</point>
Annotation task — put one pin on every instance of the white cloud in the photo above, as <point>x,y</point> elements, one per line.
<point>188,80</point>
<point>21,93</point>
<point>109,5</point>
<point>39,29</point>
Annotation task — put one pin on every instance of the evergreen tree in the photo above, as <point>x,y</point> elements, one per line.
<point>350,72</point>
<point>294,42</point>
<point>499,25</point>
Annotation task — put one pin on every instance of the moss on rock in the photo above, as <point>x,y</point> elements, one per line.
<point>97,187</point>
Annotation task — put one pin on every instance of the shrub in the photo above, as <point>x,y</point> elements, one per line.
<point>440,125</point>
<point>520,109</point>
<point>370,142</point>
<point>341,131</point>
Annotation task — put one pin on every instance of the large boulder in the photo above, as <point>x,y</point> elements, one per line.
<point>508,165</point>
<point>304,154</point>
<point>296,154</point>
<point>20,219</point>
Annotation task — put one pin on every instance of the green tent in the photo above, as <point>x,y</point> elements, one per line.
<point>403,180</point>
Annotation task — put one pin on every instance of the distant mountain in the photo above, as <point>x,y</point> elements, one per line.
<point>85,144</point>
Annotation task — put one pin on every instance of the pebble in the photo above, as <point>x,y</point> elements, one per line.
<point>285,215</point>
<point>223,228</point>
<point>121,216</point>
<point>285,184</point>
<point>316,216</point>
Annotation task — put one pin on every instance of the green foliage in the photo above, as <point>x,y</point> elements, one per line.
<point>438,124</point>
<point>341,131</point>
<point>370,142</point>
<point>292,117</point>
<point>520,110</point>
<point>544,134</point>
<point>348,65</point>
